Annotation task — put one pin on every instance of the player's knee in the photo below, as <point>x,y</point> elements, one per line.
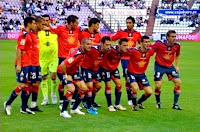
<point>177,82</point>
<point>118,83</point>
<point>84,88</point>
<point>158,84</point>
<point>22,85</point>
<point>134,87</point>
<point>108,84</point>
<point>72,89</point>
<point>98,85</point>
<point>148,91</point>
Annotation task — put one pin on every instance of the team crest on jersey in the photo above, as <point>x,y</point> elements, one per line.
<point>22,42</point>
<point>47,33</point>
<point>143,55</point>
<point>130,35</point>
<point>118,55</point>
<point>169,48</point>
<point>70,32</point>
<point>101,55</point>
<point>92,35</point>
<point>70,60</point>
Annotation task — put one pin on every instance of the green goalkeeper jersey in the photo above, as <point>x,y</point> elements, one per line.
<point>48,46</point>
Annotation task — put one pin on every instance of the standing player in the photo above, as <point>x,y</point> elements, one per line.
<point>133,37</point>
<point>110,71</point>
<point>48,61</point>
<point>35,73</point>
<point>67,39</point>
<point>166,52</point>
<point>139,60</point>
<point>22,63</point>
<point>68,73</point>
<point>90,68</point>
<point>92,32</point>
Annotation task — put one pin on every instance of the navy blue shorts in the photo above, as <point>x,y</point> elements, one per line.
<point>22,77</point>
<point>35,74</point>
<point>124,64</point>
<point>89,76</point>
<point>60,60</point>
<point>108,75</point>
<point>160,70</point>
<point>141,79</point>
<point>76,77</point>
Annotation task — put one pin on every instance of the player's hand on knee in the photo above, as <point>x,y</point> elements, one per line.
<point>18,68</point>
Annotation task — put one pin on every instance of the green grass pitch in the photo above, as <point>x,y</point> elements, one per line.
<point>150,119</point>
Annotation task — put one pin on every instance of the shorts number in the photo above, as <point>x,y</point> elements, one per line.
<point>158,74</point>
<point>108,74</point>
<point>33,75</point>
<point>89,75</point>
<point>132,77</point>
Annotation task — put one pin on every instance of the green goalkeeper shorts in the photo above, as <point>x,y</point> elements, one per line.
<point>48,67</point>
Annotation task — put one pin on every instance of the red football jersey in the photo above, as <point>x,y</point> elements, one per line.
<point>73,61</point>
<point>94,37</point>
<point>24,43</point>
<point>165,54</point>
<point>67,39</point>
<point>112,58</point>
<point>34,49</point>
<point>139,60</point>
<point>132,36</point>
<point>93,58</point>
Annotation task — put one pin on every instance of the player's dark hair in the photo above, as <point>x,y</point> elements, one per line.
<point>169,32</point>
<point>71,18</point>
<point>45,15</point>
<point>39,19</point>
<point>144,37</point>
<point>131,18</point>
<point>28,20</point>
<point>103,40</point>
<point>123,40</point>
<point>93,21</point>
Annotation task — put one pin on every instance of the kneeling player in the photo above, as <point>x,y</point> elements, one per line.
<point>68,73</point>
<point>90,70</point>
<point>139,60</point>
<point>110,71</point>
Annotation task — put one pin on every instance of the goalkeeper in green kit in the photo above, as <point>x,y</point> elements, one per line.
<point>48,57</point>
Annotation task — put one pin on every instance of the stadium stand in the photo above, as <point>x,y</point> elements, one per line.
<point>183,24</point>
<point>117,22</point>
<point>13,12</point>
